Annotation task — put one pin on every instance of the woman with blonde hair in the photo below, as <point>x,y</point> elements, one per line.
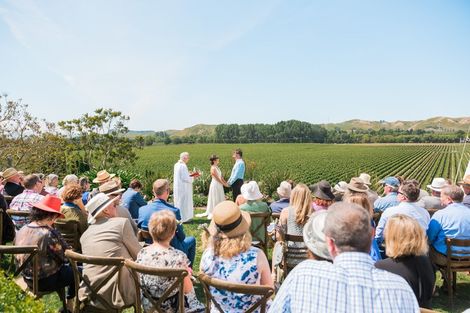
<point>363,200</point>
<point>230,256</point>
<point>162,228</point>
<point>407,248</point>
<point>292,221</point>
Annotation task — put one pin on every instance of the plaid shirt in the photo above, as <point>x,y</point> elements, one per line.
<point>351,284</point>
<point>24,202</point>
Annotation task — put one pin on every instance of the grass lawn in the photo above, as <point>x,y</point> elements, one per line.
<point>440,303</point>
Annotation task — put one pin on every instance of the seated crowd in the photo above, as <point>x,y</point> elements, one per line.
<point>362,252</point>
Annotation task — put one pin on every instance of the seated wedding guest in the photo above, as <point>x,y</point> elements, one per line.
<point>283,191</point>
<point>84,183</point>
<point>408,194</point>
<point>364,201</point>
<point>391,185</point>
<point>292,221</point>
<point>356,186</point>
<point>24,201</point>
<point>12,182</point>
<point>351,283</point>
<point>161,191</point>
<point>113,190</point>
<point>254,204</point>
<point>433,201</point>
<point>108,236</point>
<point>465,185</point>
<point>161,254</point>
<point>371,194</point>
<point>132,199</point>
<point>323,197</point>
<point>229,256</point>
<point>54,272</point>
<point>339,189</point>
<point>314,237</point>
<point>51,183</point>
<point>453,222</point>
<point>407,256</point>
<point>69,179</point>
<point>73,208</point>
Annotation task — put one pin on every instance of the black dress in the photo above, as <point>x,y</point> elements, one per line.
<point>418,271</point>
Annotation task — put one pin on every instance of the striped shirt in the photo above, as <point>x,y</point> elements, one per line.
<point>351,284</point>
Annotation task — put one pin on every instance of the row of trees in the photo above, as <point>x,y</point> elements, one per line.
<point>90,142</point>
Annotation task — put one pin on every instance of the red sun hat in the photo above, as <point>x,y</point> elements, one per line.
<point>49,204</point>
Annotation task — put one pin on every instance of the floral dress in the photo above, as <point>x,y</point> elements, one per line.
<point>242,269</point>
<point>156,285</point>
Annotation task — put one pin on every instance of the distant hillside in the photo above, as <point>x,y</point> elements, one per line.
<point>198,130</point>
<point>135,133</point>
<point>437,124</point>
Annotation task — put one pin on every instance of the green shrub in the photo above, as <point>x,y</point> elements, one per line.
<point>13,299</point>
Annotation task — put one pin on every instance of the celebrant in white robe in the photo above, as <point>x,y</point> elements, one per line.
<point>183,188</point>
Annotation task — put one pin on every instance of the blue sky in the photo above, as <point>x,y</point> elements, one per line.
<point>173,64</point>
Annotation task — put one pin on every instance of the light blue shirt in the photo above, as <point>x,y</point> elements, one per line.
<point>388,201</point>
<point>238,171</point>
<point>452,221</point>
<point>411,209</point>
<point>466,200</point>
<point>351,284</point>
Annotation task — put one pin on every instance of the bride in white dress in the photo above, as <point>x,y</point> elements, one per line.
<point>216,188</point>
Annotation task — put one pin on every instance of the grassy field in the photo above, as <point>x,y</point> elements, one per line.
<point>309,163</point>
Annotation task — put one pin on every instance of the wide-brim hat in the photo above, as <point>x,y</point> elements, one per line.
<point>103,176</point>
<point>465,181</point>
<point>357,184</point>
<point>96,205</point>
<point>111,188</point>
<point>9,173</point>
<point>437,184</point>
<point>49,204</point>
<point>341,186</point>
<point>229,219</point>
<point>284,190</point>
<point>314,237</point>
<point>250,191</point>
<point>365,178</point>
<point>322,190</point>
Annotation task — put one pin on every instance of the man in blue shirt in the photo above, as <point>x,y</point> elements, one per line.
<point>390,185</point>
<point>238,173</point>
<point>453,221</point>
<point>132,199</point>
<point>161,190</point>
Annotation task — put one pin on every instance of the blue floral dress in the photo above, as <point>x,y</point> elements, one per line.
<point>242,269</point>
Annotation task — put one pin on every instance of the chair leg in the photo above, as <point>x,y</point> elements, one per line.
<point>449,289</point>
<point>61,293</point>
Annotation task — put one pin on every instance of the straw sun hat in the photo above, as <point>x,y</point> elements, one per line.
<point>103,176</point>
<point>229,219</point>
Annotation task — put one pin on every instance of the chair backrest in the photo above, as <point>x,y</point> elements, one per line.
<point>17,213</point>
<point>69,231</point>
<point>76,258</point>
<point>177,274</point>
<point>264,219</point>
<point>144,235</point>
<point>295,251</point>
<point>32,259</point>
<point>275,216</point>
<point>8,199</point>
<point>265,292</point>
<point>458,253</point>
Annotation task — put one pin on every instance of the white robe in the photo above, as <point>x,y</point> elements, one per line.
<point>183,191</point>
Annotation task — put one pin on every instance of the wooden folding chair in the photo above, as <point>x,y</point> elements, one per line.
<point>178,274</point>
<point>19,214</point>
<point>69,231</point>
<point>32,258</point>
<point>376,217</point>
<point>116,263</point>
<point>294,252</point>
<point>458,260</point>
<point>144,235</point>
<point>1,227</point>
<point>265,292</point>
<point>264,219</point>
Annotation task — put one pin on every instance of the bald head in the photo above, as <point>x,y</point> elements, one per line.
<point>348,225</point>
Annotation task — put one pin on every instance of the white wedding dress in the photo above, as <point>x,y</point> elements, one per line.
<point>216,194</point>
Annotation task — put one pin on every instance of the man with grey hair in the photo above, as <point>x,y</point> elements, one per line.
<point>183,187</point>
<point>24,201</point>
<point>453,221</point>
<point>351,283</point>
